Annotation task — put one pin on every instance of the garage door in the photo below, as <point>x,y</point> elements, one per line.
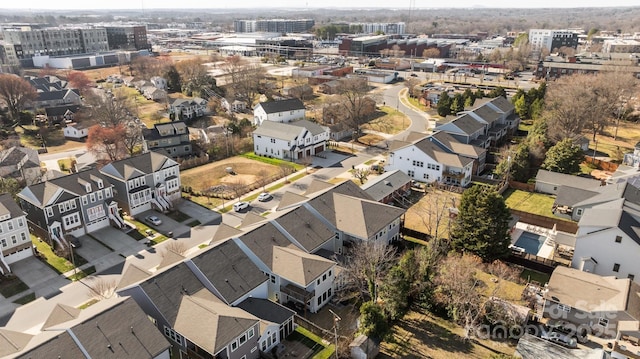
<point>104,222</point>
<point>21,254</point>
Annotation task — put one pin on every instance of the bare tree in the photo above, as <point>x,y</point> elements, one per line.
<point>176,247</point>
<point>431,53</point>
<point>366,265</point>
<point>245,78</point>
<point>361,174</point>
<point>262,178</point>
<point>16,93</point>
<point>434,211</point>
<point>354,101</point>
<point>101,288</point>
<point>286,169</point>
<point>238,187</point>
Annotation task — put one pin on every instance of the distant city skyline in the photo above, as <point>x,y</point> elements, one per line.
<point>35,5</point>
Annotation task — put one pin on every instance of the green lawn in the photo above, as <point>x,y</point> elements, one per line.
<point>139,233</point>
<point>531,275</point>
<point>272,161</point>
<point>25,299</point>
<point>59,264</point>
<point>178,216</point>
<point>313,342</point>
<point>536,203</point>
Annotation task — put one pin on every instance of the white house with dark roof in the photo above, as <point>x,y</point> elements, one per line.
<point>550,182</point>
<point>291,141</point>
<point>185,108</point>
<point>388,187</point>
<point>15,240</point>
<point>449,144</point>
<point>75,131</point>
<point>467,129</point>
<point>424,161</point>
<point>608,239</point>
<point>278,111</point>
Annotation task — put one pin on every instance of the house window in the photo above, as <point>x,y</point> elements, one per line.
<point>71,221</point>
<point>20,222</point>
<point>107,192</point>
<point>410,173</point>
<point>234,346</point>
<point>85,200</point>
<point>603,322</point>
<point>618,239</point>
<point>564,307</point>
<point>251,333</point>
<point>14,239</point>
<point>319,300</point>
<point>10,225</point>
<point>273,140</point>
<point>243,339</point>
<point>579,212</point>
<point>3,242</point>
<point>49,212</point>
<point>616,267</point>
<point>171,334</point>
<point>23,236</point>
<point>92,197</point>
<point>99,195</point>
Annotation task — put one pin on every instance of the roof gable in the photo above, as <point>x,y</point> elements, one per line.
<point>291,104</point>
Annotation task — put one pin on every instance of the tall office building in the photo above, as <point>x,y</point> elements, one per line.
<point>127,37</point>
<point>552,39</point>
<point>274,25</point>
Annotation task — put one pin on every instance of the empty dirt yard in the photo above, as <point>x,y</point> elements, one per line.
<point>246,171</point>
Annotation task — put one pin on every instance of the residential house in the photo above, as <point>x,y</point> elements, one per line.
<point>65,97</point>
<point>506,119</point>
<point>278,111</point>
<point>600,305</point>
<point>294,275</point>
<point>310,71</point>
<point>60,114</point>
<point>238,106</point>
<point>145,182</point>
<point>76,131</point>
<point>292,141</point>
<point>121,331</point>
<point>199,324</point>
<point>424,161</point>
<point>607,239</point>
<point>278,320</point>
<point>466,129</point>
<point>140,84</point>
<point>552,182</point>
<point>75,204</point>
<point>302,92</point>
<point>187,108</point>
<point>15,240</point>
<point>363,347</point>
<point>159,82</point>
<point>20,163</point>
<point>571,202</point>
<point>47,83</point>
<point>449,144</point>
<point>153,93</point>
<point>171,138</point>
<point>389,187</point>
<point>628,170</point>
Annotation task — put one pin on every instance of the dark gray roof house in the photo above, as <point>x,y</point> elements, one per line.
<point>229,270</point>
<point>282,105</point>
<point>387,184</point>
<point>267,310</point>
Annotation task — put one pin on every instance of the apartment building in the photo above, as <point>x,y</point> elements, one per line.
<point>127,37</point>
<point>59,41</point>
<point>171,138</point>
<point>274,25</point>
<point>552,39</point>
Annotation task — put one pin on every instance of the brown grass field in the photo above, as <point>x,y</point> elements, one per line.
<point>413,218</point>
<point>420,335</point>
<point>212,174</point>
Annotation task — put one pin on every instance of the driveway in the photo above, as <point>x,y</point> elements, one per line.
<point>328,159</point>
<point>168,224</point>
<point>34,272</point>
<point>195,211</point>
<point>91,250</point>
<point>118,240</point>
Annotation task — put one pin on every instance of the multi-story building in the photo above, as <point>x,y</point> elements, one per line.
<point>292,141</point>
<point>628,46</point>
<point>70,205</point>
<point>8,58</point>
<point>552,39</point>
<point>185,108</point>
<point>171,138</point>
<point>145,182</point>
<point>56,41</point>
<point>127,37</point>
<point>383,27</point>
<point>15,241</point>
<point>274,25</point>
<point>278,111</point>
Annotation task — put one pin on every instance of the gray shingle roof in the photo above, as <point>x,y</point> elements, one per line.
<point>363,218</point>
<point>60,346</point>
<point>487,113</point>
<point>324,203</point>
<point>230,270</point>
<point>282,105</point>
<point>561,179</point>
<point>122,331</point>
<point>71,186</point>
<point>306,228</point>
<point>166,289</point>
<point>381,186</point>
<point>9,206</point>
<point>312,127</point>
<point>133,167</point>
<point>282,131</point>
<point>266,310</point>
<point>502,103</point>
<point>12,342</point>
<point>467,124</point>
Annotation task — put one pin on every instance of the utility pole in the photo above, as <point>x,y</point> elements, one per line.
<point>336,319</point>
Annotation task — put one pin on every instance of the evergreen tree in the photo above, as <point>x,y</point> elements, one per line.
<point>564,157</point>
<point>372,321</point>
<point>173,80</point>
<point>444,104</point>
<point>482,225</point>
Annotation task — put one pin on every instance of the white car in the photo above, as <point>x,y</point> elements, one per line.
<point>264,196</point>
<point>240,206</point>
<point>154,220</point>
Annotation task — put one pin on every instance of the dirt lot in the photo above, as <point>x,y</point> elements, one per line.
<point>421,335</point>
<point>202,177</point>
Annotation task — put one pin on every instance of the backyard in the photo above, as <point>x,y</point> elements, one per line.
<point>423,335</point>
<point>391,121</point>
<point>531,202</point>
<point>423,214</point>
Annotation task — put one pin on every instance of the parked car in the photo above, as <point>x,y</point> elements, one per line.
<point>560,338</point>
<point>240,206</point>
<point>74,241</point>
<point>154,220</point>
<point>264,196</point>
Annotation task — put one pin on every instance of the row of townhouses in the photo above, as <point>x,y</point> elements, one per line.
<point>84,202</point>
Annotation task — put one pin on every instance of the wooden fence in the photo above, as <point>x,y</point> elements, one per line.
<point>529,187</point>
<point>545,222</point>
<point>603,165</point>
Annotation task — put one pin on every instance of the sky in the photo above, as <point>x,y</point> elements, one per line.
<point>256,4</point>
